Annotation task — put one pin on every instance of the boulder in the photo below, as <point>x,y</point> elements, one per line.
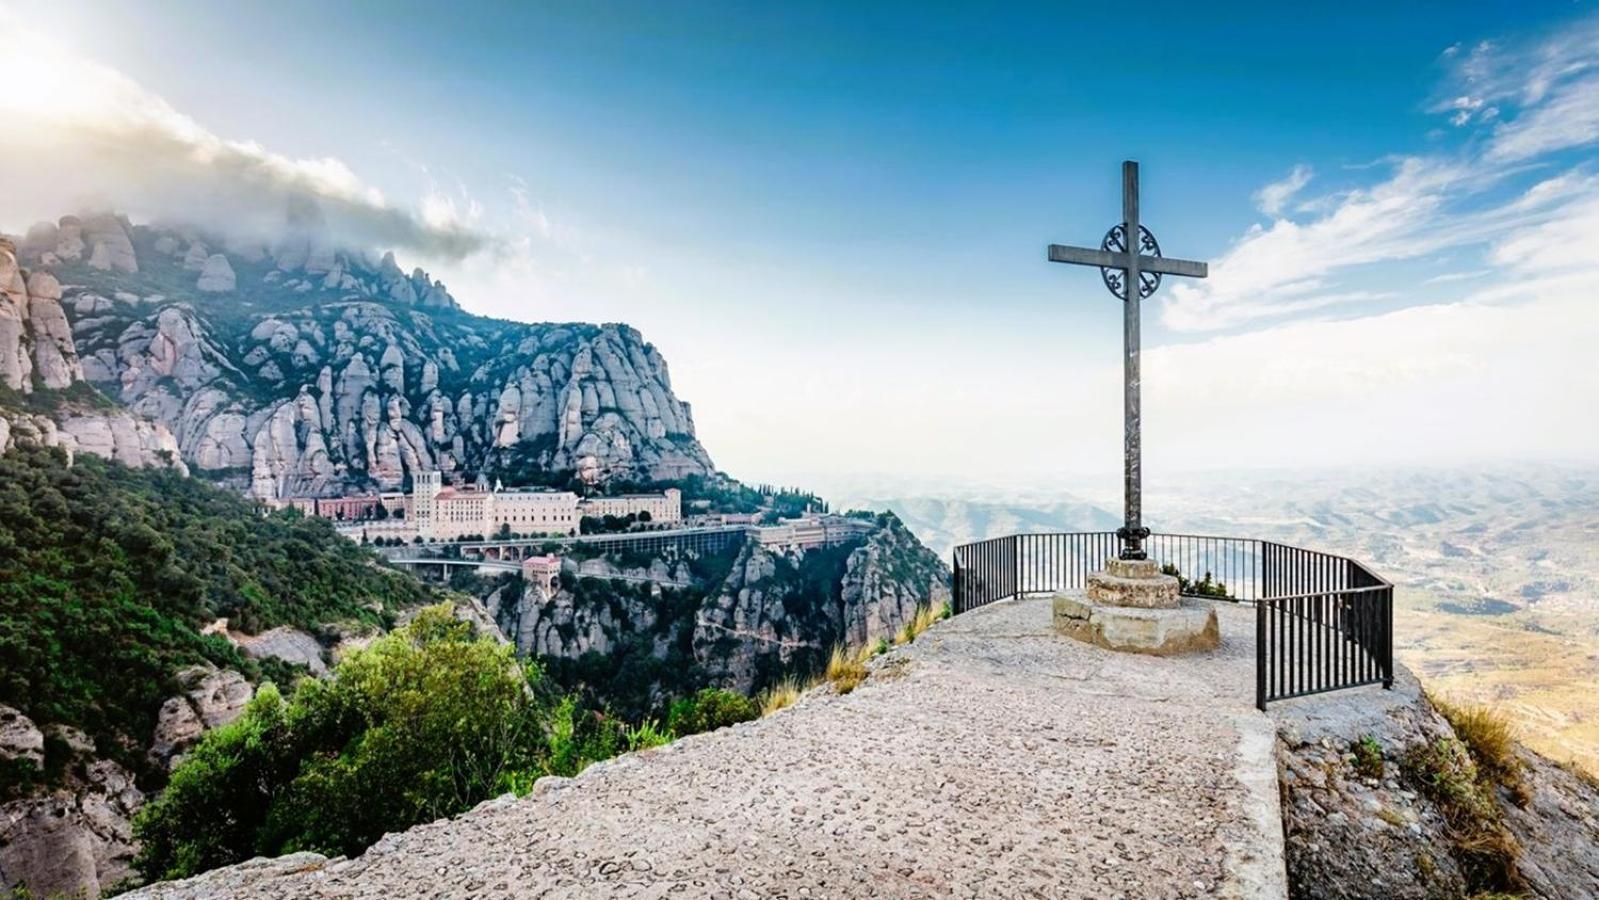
<point>286,643</point>
<point>216,276</point>
<point>55,356</point>
<point>16,363</point>
<point>195,259</point>
<point>20,738</point>
<point>110,248</point>
<point>73,842</point>
<point>210,697</point>
<point>69,239</point>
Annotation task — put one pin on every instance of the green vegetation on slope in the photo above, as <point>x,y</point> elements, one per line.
<point>107,575</point>
<point>428,721</point>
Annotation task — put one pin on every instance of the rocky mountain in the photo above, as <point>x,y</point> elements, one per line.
<point>43,396</point>
<point>296,367</point>
<point>150,605</point>
<point>638,631</point>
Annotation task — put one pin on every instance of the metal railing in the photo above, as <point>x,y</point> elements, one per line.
<point>1322,622</point>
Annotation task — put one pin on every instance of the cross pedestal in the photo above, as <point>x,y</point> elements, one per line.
<point>1133,607</point>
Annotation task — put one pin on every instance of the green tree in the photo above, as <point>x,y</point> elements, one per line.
<point>107,575</point>
<point>426,722</point>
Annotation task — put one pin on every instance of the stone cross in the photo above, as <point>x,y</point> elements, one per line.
<point>1129,261</point>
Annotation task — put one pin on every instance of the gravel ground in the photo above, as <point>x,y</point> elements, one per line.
<point>992,758</point>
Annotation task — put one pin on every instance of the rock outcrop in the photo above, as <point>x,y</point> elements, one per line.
<point>210,697</point>
<point>76,841</point>
<point>55,356</point>
<point>768,614</point>
<point>73,841</point>
<point>1363,816</point>
<point>886,580</point>
<point>111,434</point>
<point>287,644</point>
<point>539,624</point>
<point>20,739</point>
<point>355,375</point>
<point>37,350</point>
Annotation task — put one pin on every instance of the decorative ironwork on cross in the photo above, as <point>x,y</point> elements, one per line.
<point>1121,268</point>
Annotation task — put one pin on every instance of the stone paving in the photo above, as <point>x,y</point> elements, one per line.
<point>992,758</point>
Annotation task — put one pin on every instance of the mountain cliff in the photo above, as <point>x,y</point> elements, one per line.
<point>635,631</point>
<point>43,395</point>
<point>153,604</point>
<point>296,367</point>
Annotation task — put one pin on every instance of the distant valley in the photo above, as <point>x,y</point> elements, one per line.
<point>1497,569</point>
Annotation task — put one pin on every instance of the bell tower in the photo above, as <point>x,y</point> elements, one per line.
<point>425,487</point>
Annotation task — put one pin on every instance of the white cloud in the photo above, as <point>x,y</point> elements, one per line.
<point>1567,117</point>
<point>1445,382</point>
<point>81,134</point>
<point>1431,203</point>
<point>1273,197</point>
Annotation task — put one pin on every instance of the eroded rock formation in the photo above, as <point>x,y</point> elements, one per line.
<point>76,840</point>
<point>344,372</point>
<point>770,613</point>
<point>210,697</point>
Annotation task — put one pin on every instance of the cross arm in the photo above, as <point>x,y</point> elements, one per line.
<point>1105,259</point>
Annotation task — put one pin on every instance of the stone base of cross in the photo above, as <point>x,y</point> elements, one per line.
<point>1131,264</point>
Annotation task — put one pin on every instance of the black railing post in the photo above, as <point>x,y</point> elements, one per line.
<point>1016,565</point>
<point>955,582</point>
<point>1260,655</point>
<point>1387,620</point>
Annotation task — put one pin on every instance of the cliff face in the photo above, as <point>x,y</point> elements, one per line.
<point>1382,798</point>
<point>886,579</point>
<point>300,368</point>
<point>738,623</point>
<point>45,400</point>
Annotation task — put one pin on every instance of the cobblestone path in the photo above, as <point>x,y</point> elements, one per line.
<point>992,758</point>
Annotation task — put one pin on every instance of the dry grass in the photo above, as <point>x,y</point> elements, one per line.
<point>846,668</point>
<point>1392,817</point>
<point>1489,735</point>
<point>1448,772</point>
<point>923,619</point>
<point>783,694</point>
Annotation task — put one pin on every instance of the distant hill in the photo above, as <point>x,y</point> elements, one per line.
<point>944,523</point>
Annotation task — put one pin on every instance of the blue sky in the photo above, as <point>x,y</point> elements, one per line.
<point>832,220</point>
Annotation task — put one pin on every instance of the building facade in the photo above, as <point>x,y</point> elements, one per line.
<point>435,512</point>
<point>450,513</point>
<point>809,531</point>
<point>666,506</point>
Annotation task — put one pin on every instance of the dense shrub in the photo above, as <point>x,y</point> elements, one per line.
<point>426,722</point>
<point>709,710</point>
